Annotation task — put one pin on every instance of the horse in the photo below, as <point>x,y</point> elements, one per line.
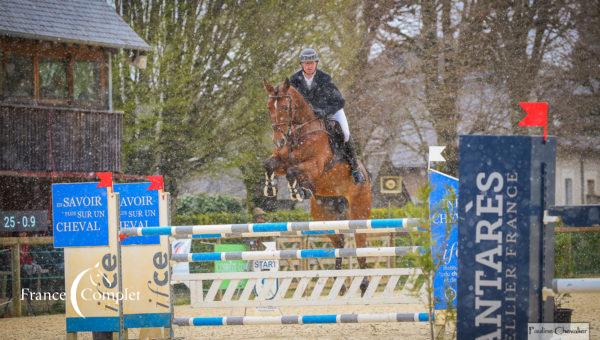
<point>302,153</point>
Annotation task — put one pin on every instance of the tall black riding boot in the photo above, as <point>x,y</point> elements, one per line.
<point>350,152</point>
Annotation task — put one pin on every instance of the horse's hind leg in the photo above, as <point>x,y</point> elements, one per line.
<point>360,209</point>
<point>322,210</point>
<point>340,209</point>
<point>338,242</point>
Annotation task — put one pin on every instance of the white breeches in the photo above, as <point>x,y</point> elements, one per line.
<point>340,117</point>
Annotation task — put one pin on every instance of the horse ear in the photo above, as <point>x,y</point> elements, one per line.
<point>286,84</point>
<point>268,87</point>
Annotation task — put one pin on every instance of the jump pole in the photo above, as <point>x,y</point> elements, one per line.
<point>294,254</point>
<point>301,319</point>
<point>260,229</point>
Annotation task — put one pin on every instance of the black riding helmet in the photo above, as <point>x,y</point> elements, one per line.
<point>309,54</point>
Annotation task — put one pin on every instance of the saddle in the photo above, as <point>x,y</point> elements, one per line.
<point>336,142</point>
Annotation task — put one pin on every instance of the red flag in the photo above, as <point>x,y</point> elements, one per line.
<point>156,182</point>
<point>537,115</point>
<point>106,179</point>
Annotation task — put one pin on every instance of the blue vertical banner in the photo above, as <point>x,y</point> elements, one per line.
<point>444,236</point>
<point>501,204</point>
<point>139,209</point>
<point>79,215</point>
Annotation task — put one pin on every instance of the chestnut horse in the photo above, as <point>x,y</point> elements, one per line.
<point>303,154</point>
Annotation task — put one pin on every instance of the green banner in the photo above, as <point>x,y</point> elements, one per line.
<point>232,266</point>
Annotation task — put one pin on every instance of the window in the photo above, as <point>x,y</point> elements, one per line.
<point>44,74</point>
<point>568,191</point>
<point>591,190</point>
<point>53,79</point>
<point>86,81</point>
<point>18,81</point>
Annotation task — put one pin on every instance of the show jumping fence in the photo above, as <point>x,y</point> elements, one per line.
<point>385,286</point>
<point>139,257</point>
<point>299,288</point>
<point>506,257</point>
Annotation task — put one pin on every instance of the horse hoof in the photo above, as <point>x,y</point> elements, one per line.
<point>270,188</point>
<point>270,191</point>
<point>297,196</point>
<point>294,194</point>
<point>306,193</point>
<point>364,285</point>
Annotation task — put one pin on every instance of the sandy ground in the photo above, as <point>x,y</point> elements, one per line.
<point>587,309</point>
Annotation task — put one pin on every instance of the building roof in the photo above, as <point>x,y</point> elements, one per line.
<point>89,22</point>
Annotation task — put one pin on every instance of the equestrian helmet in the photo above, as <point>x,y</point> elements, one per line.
<point>309,54</point>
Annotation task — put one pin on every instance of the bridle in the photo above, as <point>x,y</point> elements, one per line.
<point>288,123</point>
<point>289,126</point>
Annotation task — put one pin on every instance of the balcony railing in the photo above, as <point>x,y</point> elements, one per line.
<point>34,138</point>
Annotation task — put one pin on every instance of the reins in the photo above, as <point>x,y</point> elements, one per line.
<point>294,133</point>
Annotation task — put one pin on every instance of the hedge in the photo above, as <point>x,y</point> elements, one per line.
<point>276,216</point>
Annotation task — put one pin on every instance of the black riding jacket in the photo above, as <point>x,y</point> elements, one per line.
<point>323,94</point>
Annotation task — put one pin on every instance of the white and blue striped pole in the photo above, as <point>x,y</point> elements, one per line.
<point>301,319</point>
<point>294,254</point>
<point>259,229</point>
<point>298,233</point>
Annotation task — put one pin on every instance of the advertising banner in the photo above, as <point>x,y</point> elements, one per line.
<point>85,220</point>
<point>501,202</point>
<point>443,205</point>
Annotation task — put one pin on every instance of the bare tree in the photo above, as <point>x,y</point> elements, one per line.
<point>523,34</point>
<point>461,67</point>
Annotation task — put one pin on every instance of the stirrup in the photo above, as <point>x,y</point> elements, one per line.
<point>358,177</point>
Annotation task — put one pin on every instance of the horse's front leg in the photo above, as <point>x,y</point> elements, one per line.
<point>273,166</point>
<point>301,178</point>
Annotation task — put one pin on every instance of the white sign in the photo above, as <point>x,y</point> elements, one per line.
<point>266,265</point>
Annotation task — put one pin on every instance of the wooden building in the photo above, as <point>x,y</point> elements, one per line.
<point>397,185</point>
<point>57,123</point>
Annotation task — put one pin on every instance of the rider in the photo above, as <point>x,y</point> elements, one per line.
<point>326,100</point>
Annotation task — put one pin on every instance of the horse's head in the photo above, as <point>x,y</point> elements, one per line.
<point>284,110</point>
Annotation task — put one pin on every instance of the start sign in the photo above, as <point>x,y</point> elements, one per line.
<point>266,265</point>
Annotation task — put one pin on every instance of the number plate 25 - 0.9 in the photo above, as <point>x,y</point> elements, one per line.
<point>24,220</point>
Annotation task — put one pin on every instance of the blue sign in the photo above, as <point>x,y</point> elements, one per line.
<point>444,236</point>
<point>577,215</point>
<point>139,209</point>
<point>501,202</point>
<point>79,215</point>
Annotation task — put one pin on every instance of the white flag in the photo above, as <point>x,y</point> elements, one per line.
<point>435,154</point>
